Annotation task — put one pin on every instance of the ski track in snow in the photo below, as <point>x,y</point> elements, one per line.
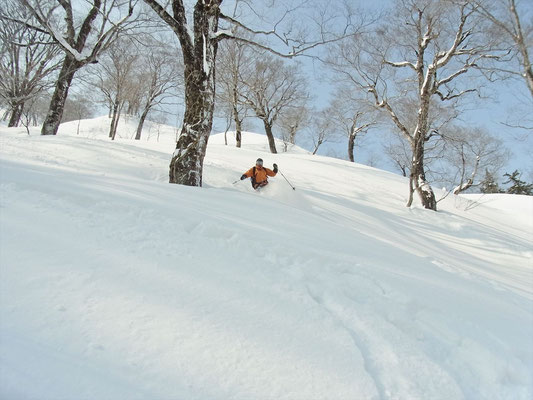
<point>118,285</point>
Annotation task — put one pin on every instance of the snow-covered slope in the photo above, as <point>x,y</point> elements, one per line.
<point>116,285</point>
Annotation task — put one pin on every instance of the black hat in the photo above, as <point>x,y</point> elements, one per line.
<point>259,161</point>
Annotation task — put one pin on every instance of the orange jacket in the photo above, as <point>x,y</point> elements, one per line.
<point>260,173</point>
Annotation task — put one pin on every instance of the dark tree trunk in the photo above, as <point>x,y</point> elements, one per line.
<point>16,114</point>
<point>186,166</point>
<point>351,145</point>
<point>319,143</point>
<point>238,127</point>
<point>417,178</point>
<point>199,55</point>
<point>141,123</point>
<point>270,136</point>
<point>238,137</point>
<point>57,104</point>
<point>114,120</point>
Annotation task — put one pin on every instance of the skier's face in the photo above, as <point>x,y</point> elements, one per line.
<point>258,165</point>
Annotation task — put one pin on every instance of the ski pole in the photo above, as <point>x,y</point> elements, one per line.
<point>293,188</point>
<point>237,181</point>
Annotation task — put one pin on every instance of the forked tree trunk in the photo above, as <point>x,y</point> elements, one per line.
<point>270,136</point>
<point>318,144</point>
<point>57,104</point>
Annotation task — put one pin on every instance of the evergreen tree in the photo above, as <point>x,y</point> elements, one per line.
<point>518,186</point>
<point>489,184</point>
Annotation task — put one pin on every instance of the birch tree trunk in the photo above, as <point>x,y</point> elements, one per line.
<point>237,119</point>
<point>186,166</point>
<point>351,145</point>
<point>420,135</point>
<point>238,132</point>
<point>270,136</point>
<point>16,114</point>
<point>351,140</point>
<point>114,118</point>
<point>417,178</point>
<point>57,104</point>
<point>141,123</point>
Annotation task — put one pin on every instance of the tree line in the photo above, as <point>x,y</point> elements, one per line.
<point>411,69</point>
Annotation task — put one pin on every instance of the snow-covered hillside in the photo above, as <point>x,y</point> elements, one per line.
<point>115,284</point>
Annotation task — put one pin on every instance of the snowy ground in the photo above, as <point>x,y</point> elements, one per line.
<point>116,285</point>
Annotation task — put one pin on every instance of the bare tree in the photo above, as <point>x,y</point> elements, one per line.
<point>114,77</point>
<point>234,66</point>
<point>77,107</point>
<point>512,23</point>
<point>422,53</point>
<point>455,157</point>
<point>159,78</point>
<point>274,89</point>
<point>293,121</point>
<point>353,115</point>
<point>399,152</point>
<point>199,44</point>
<point>83,34</point>
<point>323,128</point>
<point>27,61</point>
<point>469,153</point>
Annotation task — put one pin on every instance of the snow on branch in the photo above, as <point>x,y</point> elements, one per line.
<point>233,21</point>
<point>401,64</point>
<point>74,43</point>
<point>445,57</point>
<point>451,77</point>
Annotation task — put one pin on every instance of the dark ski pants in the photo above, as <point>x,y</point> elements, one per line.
<point>257,185</point>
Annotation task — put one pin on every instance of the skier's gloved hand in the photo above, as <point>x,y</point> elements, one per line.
<point>243,177</point>
<point>275,167</point>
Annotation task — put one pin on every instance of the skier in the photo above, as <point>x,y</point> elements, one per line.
<point>259,174</point>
